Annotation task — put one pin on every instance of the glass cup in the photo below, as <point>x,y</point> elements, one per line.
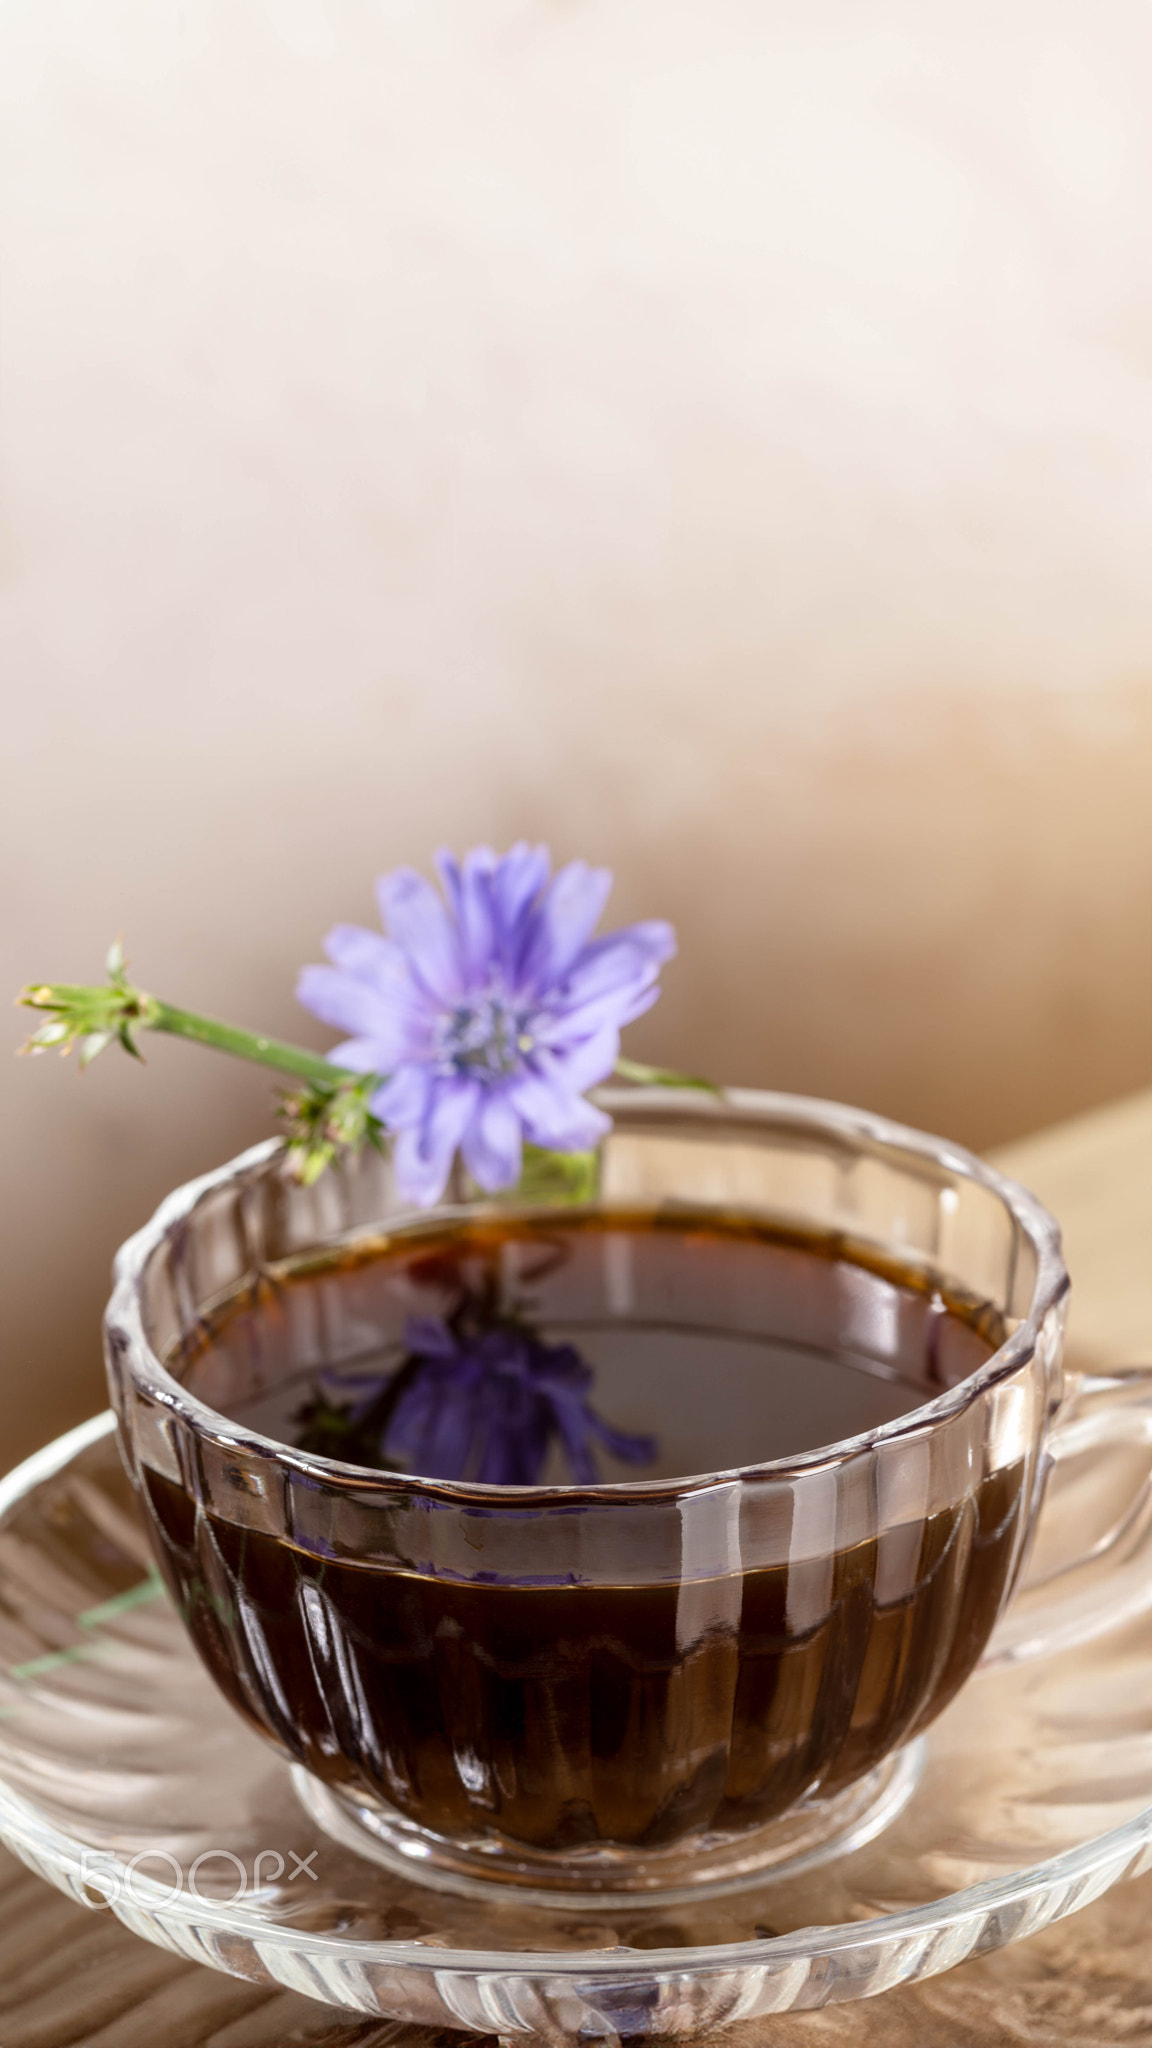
<point>644,1685</point>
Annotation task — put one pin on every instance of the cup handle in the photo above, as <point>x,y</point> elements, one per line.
<point>1111,1573</point>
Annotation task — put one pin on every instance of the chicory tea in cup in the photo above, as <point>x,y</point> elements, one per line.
<point>619,1543</point>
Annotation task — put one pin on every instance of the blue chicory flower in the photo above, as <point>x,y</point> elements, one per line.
<point>491,1010</point>
<point>487,1406</point>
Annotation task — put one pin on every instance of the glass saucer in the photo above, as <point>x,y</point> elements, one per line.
<point>128,1782</point>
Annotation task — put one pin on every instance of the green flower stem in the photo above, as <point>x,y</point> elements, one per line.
<point>93,1017</point>
<point>244,1045</point>
<point>661,1077</point>
<point>330,1113</point>
<point>311,1066</point>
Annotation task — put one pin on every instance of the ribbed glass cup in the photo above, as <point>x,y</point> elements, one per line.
<point>881,1562</point>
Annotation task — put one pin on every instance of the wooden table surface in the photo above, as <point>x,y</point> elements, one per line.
<point>70,1977</point>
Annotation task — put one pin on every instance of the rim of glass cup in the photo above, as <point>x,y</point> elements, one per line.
<point>124,1320</point>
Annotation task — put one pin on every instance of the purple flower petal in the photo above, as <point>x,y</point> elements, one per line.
<point>419,923</point>
<point>365,1389</point>
<point>513,1457</point>
<point>553,1118</point>
<point>517,881</point>
<point>641,1002</point>
<point>404,1101</point>
<point>564,1034</point>
<point>337,999</point>
<point>362,1054</point>
<point>437,1438</point>
<point>469,893</point>
<point>423,1155</point>
<point>583,1063</point>
<point>631,1449</point>
<point>564,922</point>
<point>492,1144</point>
<point>369,992</point>
<point>636,952</point>
<point>572,1417</point>
<point>561,1365</point>
<point>429,1337</point>
<point>419,1180</point>
<point>372,958</point>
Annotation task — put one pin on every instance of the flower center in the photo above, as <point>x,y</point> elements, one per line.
<point>484,1036</point>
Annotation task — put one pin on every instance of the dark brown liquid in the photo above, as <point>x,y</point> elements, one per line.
<point>560,1714</point>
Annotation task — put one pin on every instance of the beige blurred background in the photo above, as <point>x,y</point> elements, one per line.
<point>715,438</point>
